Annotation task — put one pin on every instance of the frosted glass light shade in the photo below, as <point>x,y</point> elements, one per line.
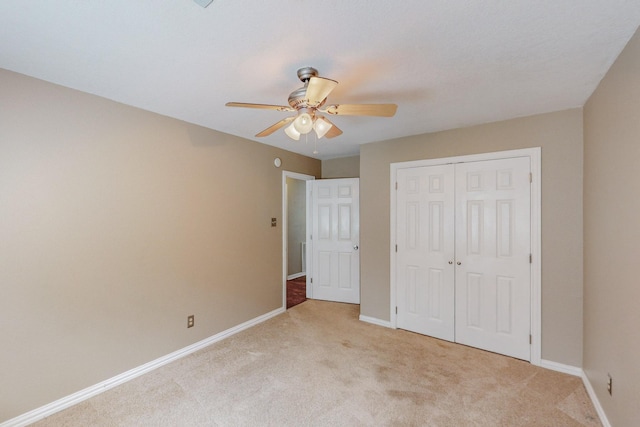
<point>321,126</point>
<point>292,132</point>
<point>303,123</point>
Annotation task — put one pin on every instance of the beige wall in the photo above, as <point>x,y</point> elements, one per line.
<point>343,167</point>
<point>115,225</point>
<point>560,136</point>
<point>612,238</point>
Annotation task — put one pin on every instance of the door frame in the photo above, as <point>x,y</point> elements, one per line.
<point>534,155</point>
<point>285,225</point>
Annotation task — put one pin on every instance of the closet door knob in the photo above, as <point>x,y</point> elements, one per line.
<point>458,263</point>
<point>450,262</point>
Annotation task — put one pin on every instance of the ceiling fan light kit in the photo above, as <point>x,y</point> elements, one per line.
<point>321,126</point>
<point>303,123</point>
<point>292,132</point>
<point>307,101</point>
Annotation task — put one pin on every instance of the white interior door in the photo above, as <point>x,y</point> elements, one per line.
<point>425,251</point>
<point>493,250</point>
<point>463,234</point>
<point>334,240</point>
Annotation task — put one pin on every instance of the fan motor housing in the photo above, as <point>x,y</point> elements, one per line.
<point>297,99</point>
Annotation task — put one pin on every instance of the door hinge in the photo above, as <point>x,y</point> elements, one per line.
<point>530,177</point>
<point>310,236</point>
<point>396,185</point>
<point>530,339</point>
<point>396,248</point>
<point>396,309</point>
<point>310,279</point>
<point>530,258</point>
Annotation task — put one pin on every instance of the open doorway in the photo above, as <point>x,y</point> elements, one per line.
<point>294,229</point>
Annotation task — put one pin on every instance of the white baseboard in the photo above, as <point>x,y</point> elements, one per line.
<point>372,320</point>
<point>296,275</point>
<point>82,395</point>
<point>596,402</point>
<point>561,367</point>
<point>578,372</point>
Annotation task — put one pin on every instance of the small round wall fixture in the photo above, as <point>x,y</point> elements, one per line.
<point>277,162</point>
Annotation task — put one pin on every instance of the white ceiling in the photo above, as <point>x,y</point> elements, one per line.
<point>446,63</point>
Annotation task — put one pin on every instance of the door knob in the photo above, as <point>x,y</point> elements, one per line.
<point>356,247</point>
<point>458,263</point>
<point>450,262</point>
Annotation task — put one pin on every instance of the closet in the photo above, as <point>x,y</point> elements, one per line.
<point>463,253</point>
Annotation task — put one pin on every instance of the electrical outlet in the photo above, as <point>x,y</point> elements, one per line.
<point>610,385</point>
<point>191,320</point>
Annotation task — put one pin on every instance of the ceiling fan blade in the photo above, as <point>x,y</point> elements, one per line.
<point>380,110</point>
<point>334,131</point>
<point>318,89</point>
<point>260,106</point>
<point>271,129</point>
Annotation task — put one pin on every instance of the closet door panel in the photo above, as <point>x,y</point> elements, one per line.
<point>425,224</point>
<point>492,290</point>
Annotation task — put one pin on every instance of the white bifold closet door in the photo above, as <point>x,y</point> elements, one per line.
<point>463,257</point>
<point>426,250</point>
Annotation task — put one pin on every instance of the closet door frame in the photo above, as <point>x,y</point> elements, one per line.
<point>534,155</point>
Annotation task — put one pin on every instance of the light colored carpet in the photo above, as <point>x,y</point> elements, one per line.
<point>318,365</point>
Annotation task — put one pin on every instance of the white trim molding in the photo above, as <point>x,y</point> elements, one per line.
<point>594,399</point>
<point>534,154</point>
<point>89,392</point>
<point>578,372</point>
<point>561,367</point>
<point>295,276</point>
<point>375,321</point>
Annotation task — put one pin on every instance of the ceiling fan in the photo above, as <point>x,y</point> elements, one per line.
<point>309,103</point>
